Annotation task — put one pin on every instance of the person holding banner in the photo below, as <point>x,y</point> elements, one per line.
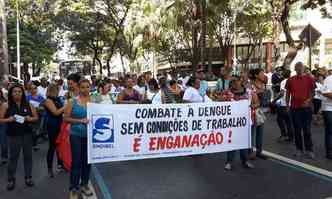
<point>129,95</point>
<point>239,92</point>
<point>76,114</point>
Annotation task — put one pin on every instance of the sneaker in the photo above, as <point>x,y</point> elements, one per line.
<point>248,165</point>
<point>261,156</point>
<point>228,167</point>
<point>29,182</point>
<point>85,189</point>
<point>310,155</point>
<point>74,194</point>
<point>60,168</point>
<point>298,153</point>
<point>11,185</point>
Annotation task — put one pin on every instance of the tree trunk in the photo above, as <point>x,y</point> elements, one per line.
<point>195,42</point>
<point>4,69</point>
<point>108,65</point>
<point>122,63</point>
<point>195,58</point>
<point>26,75</point>
<point>96,58</point>
<point>293,49</point>
<point>203,33</point>
<point>261,56</point>
<point>100,65</point>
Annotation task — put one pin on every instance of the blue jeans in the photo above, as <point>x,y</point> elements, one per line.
<point>328,132</point>
<point>302,118</point>
<point>257,137</point>
<point>243,155</point>
<point>3,141</point>
<point>80,169</point>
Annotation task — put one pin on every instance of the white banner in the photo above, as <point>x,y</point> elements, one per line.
<point>129,132</point>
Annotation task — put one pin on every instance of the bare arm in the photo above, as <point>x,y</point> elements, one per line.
<point>254,101</point>
<point>52,108</point>
<point>67,114</point>
<point>3,110</point>
<point>34,117</point>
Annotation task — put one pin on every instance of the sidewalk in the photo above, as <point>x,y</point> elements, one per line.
<point>204,176</point>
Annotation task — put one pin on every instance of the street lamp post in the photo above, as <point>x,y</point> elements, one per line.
<point>3,41</point>
<point>18,41</point>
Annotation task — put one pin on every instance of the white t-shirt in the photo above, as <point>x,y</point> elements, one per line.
<point>42,91</point>
<point>141,90</point>
<point>106,99</point>
<point>282,100</point>
<point>62,92</point>
<point>269,78</point>
<point>318,88</point>
<point>327,88</point>
<point>192,95</point>
<point>154,97</point>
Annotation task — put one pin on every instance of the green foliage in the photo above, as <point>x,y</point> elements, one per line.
<point>38,41</point>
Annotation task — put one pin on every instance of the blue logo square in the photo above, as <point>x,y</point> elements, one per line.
<point>103,129</point>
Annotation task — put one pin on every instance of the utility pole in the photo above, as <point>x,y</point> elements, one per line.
<point>310,48</point>
<point>18,41</point>
<point>3,42</point>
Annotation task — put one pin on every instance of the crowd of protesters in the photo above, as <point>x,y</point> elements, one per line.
<point>36,111</point>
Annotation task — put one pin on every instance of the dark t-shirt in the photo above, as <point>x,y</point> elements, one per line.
<point>17,129</point>
<point>53,121</point>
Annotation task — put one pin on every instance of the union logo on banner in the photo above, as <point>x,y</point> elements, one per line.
<point>103,129</point>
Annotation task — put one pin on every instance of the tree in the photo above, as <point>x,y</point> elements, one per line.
<point>38,38</point>
<point>281,10</point>
<point>255,26</point>
<point>94,27</point>
<point>221,19</point>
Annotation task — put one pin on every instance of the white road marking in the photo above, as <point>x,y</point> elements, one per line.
<point>299,164</point>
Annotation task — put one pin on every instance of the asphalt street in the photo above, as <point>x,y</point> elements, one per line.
<point>197,177</point>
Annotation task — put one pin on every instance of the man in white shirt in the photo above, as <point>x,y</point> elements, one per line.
<point>141,86</point>
<point>43,87</point>
<point>327,114</point>
<point>283,116</point>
